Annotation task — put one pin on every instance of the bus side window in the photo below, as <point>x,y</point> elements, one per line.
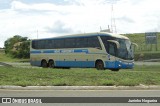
<point>81,42</point>
<point>50,44</point>
<point>70,43</point>
<point>34,44</point>
<point>59,43</point>
<point>42,44</point>
<point>93,42</point>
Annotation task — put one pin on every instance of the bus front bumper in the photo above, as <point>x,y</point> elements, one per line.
<point>124,65</point>
<point>119,65</point>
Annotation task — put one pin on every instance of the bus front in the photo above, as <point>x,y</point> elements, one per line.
<point>125,55</point>
<point>120,52</point>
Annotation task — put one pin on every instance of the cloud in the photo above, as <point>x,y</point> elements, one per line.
<point>56,2</point>
<point>58,17</point>
<point>59,27</point>
<point>125,19</point>
<point>5,4</point>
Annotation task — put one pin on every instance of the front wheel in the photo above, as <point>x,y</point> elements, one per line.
<point>99,65</point>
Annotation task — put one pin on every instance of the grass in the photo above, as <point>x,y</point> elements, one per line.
<point>139,38</point>
<point>7,58</point>
<point>147,75</point>
<point>144,51</point>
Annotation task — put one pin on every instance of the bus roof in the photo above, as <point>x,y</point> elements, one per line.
<point>88,34</point>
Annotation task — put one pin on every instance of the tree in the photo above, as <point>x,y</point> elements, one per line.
<point>17,46</point>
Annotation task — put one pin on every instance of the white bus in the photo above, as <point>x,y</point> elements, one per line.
<point>100,50</point>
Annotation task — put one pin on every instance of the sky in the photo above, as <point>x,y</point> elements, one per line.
<point>49,18</point>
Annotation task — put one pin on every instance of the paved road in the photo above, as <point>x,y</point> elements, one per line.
<point>147,63</point>
<point>82,93</point>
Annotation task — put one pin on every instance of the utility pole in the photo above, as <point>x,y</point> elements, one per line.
<point>113,23</point>
<point>37,33</point>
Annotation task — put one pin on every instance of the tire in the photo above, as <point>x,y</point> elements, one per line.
<point>44,64</point>
<point>51,64</point>
<point>99,65</point>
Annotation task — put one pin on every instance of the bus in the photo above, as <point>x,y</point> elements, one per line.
<point>98,50</point>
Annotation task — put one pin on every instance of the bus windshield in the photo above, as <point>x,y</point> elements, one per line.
<point>125,50</point>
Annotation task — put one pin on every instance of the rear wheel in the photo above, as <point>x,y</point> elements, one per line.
<point>51,64</point>
<point>99,65</point>
<point>44,64</point>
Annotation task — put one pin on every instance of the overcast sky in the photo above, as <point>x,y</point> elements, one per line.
<point>59,17</point>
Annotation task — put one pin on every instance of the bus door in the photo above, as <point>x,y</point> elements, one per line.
<point>112,52</point>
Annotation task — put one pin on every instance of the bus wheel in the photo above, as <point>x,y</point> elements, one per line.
<point>44,64</point>
<point>100,65</point>
<point>51,64</point>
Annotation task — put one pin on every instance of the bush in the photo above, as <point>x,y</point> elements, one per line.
<point>17,47</point>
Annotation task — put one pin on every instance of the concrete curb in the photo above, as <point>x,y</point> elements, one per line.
<point>141,87</point>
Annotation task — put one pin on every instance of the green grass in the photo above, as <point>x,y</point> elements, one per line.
<point>147,75</point>
<point>7,58</point>
<point>139,38</point>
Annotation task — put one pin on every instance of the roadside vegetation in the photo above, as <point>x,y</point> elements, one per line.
<point>145,51</point>
<point>17,47</point>
<point>35,76</point>
<point>7,58</point>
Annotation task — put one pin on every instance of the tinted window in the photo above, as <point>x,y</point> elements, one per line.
<point>93,42</point>
<point>59,43</point>
<point>70,43</point>
<point>81,42</point>
<point>41,44</point>
<point>34,44</point>
<point>49,44</point>
<point>111,49</point>
<point>105,42</point>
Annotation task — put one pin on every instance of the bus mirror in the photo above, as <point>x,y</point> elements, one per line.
<point>135,44</point>
<point>116,42</point>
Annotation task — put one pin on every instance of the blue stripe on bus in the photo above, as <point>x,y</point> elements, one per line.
<point>33,52</point>
<point>48,51</point>
<point>61,51</point>
<point>81,50</point>
<point>75,63</point>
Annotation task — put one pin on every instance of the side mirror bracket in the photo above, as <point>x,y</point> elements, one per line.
<point>116,42</point>
<point>135,44</point>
